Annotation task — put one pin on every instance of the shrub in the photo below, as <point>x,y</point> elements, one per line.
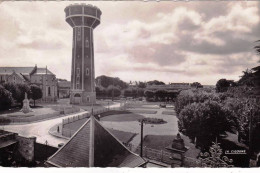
<point>6,99</point>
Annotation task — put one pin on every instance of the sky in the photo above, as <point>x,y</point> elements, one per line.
<point>138,41</point>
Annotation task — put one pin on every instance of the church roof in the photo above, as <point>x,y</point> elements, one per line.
<point>24,70</point>
<point>10,70</point>
<point>94,146</point>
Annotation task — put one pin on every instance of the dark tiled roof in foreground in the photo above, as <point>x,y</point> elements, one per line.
<point>107,150</point>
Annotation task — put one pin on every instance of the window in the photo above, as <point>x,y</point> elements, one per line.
<point>78,34</point>
<point>86,43</point>
<point>77,80</point>
<point>49,91</point>
<point>87,99</point>
<point>77,86</point>
<point>78,71</point>
<point>87,71</point>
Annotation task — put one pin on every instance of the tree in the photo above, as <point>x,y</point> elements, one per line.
<point>190,96</point>
<point>36,93</point>
<point>141,85</point>
<point>113,91</point>
<point>13,88</point>
<point>223,85</point>
<point>149,95</point>
<point>105,81</point>
<point>161,94</point>
<point>247,78</point>
<point>5,98</point>
<point>204,121</point>
<point>23,88</point>
<point>155,82</point>
<point>196,85</point>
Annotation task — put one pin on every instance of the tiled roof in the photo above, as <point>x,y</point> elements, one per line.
<point>23,70</point>
<point>9,70</point>
<point>43,71</point>
<point>107,151</point>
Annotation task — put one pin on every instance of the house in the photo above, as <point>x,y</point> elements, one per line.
<point>42,77</point>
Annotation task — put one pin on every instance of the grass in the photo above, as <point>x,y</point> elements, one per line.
<point>114,112</point>
<point>123,117</point>
<point>124,137</point>
<point>168,112</point>
<point>143,111</point>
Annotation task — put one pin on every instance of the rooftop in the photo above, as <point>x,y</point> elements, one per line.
<point>94,146</point>
<point>23,70</point>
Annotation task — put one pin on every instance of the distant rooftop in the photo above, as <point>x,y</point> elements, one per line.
<point>23,70</point>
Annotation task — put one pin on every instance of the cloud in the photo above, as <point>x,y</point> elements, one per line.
<point>169,41</point>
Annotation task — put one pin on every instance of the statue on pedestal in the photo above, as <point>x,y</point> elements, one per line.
<point>26,105</point>
<point>178,143</point>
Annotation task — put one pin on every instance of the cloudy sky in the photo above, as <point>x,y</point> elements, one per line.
<point>138,41</point>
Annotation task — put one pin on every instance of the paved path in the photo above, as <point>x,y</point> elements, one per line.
<point>41,129</point>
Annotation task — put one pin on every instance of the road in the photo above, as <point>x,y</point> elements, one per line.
<point>41,129</point>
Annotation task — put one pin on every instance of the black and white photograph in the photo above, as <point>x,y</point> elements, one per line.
<point>129,84</point>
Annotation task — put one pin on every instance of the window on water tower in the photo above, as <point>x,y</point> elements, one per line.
<point>86,43</point>
<point>87,71</point>
<point>49,91</point>
<point>78,71</point>
<point>78,34</point>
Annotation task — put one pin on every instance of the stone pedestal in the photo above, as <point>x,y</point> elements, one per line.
<point>26,105</point>
<point>177,149</point>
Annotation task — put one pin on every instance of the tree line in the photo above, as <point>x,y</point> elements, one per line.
<point>13,94</point>
<point>233,106</point>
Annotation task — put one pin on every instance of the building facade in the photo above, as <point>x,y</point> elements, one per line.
<point>83,19</point>
<point>41,77</point>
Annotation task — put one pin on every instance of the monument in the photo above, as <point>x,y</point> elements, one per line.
<point>177,149</point>
<point>83,19</point>
<point>26,105</point>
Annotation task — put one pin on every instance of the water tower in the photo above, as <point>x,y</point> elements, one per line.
<point>83,19</point>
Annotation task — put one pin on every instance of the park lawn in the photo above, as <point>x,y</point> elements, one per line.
<point>124,137</point>
<point>169,112</point>
<point>114,112</point>
<point>123,117</point>
<point>143,111</point>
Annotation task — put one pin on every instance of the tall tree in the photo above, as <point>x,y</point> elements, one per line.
<point>36,93</point>
<point>5,98</point>
<point>223,84</point>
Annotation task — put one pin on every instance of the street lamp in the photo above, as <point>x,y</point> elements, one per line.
<point>142,129</point>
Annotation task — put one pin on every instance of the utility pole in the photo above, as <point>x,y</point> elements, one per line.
<point>142,128</point>
<point>113,91</point>
<point>250,129</point>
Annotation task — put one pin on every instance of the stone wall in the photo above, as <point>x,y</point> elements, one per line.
<point>26,147</point>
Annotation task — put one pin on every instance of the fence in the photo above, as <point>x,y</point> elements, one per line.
<point>68,132</point>
<point>59,112</point>
<point>164,156</point>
